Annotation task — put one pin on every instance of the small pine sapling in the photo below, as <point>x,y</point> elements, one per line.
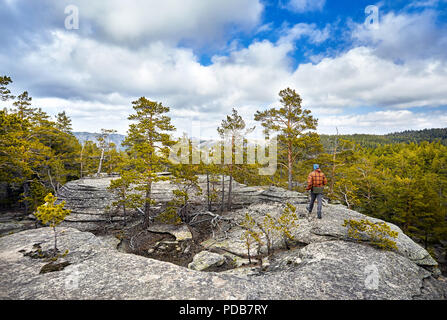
<point>126,195</point>
<point>286,222</point>
<point>250,236</point>
<point>52,214</point>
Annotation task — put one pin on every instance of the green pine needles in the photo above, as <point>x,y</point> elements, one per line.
<point>379,233</point>
<point>270,229</point>
<point>52,214</point>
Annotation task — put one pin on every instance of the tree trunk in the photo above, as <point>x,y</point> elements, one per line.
<point>230,186</point>
<point>229,193</point>
<point>51,182</point>
<point>124,214</point>
<point>334,155</point>
<point>331,188</point>
<point>25,195</point>
<point>147,204</point>
<point>100,161</point>
<point>289,158</point>
<point>208,190</point>
<point>223,194</point>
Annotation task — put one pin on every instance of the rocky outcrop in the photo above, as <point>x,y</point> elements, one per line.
<point>320,263</point>
<point>330,228</point>
<point>205,260</point>
<point>90,200</point>
<point>11,223</point>
<point>322,270</point>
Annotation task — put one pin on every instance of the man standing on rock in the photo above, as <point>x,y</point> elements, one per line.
<point>316,182</point>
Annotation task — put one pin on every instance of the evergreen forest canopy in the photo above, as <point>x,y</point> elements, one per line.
<point>400,177</point>
<point>371,140</point>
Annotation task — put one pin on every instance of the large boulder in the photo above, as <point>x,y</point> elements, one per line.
<point>322,270</point>
<point>329,228</point>
<point>205,260</point>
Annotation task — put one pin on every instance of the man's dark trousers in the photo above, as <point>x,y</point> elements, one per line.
<point>319,198</point>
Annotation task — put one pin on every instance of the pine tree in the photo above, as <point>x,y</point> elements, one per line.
<point>63,122</point>
<point>234,129</point>
<point>290,122</point>
<point>187,184</point>
<point>53,214</point>
<point>5,93</point>
<point>23,105</point>
<point>36,157</point>
<point>127,195</point>
<point>105,146</point>
<point>148,144</point>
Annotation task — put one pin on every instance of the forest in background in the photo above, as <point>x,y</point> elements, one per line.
<point>400,178</point>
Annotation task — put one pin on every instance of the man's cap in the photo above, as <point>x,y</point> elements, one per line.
<point>316,166</point>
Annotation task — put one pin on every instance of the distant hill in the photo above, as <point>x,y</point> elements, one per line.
<point>365,140</point>
<point>119,138</point>
<point>408,136</point>
<point>116,138</point>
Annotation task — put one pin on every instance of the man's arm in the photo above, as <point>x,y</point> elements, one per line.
<point>309,182</point>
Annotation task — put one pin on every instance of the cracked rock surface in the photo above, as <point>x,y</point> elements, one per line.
<point>321,270</point>
<point>321,263</point>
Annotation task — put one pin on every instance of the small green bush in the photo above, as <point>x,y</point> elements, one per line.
<point>52,214</point>
<point>379,233</point>
<point>272,228</point>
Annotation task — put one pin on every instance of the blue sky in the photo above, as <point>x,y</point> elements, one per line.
<point>202,58</point>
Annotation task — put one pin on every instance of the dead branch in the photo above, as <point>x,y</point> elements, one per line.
<point>215,221</point>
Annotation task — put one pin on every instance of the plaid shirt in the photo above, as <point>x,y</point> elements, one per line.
<point>316,179</point>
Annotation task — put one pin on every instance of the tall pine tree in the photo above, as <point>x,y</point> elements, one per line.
<point>148,144</point>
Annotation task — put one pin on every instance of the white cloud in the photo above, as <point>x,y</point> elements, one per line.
<point>301,30</point>
<point>305,5</point>
<point>248,79</point>
<point>95,81</point>
<point>167,20</point>
<point>425,3</point>
<point>404,37</point>
<point>381,122</point>
<point>359,78</point>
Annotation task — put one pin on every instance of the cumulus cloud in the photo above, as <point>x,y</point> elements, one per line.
<point>305,5</point>
<point>168,20</point>
<point>248,79</point>
<point>405,36</point>
<point>96,80</point>
<point>360,78</point>
<point>310,31</point>
<point>425,3</point>
<point>138,22</point>
<point>382,122</point>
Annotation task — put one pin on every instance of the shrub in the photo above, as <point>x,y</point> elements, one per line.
<point>271,228</point>
<point>250,236</point>
<point>379,233</point>
<point>169,216</point>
